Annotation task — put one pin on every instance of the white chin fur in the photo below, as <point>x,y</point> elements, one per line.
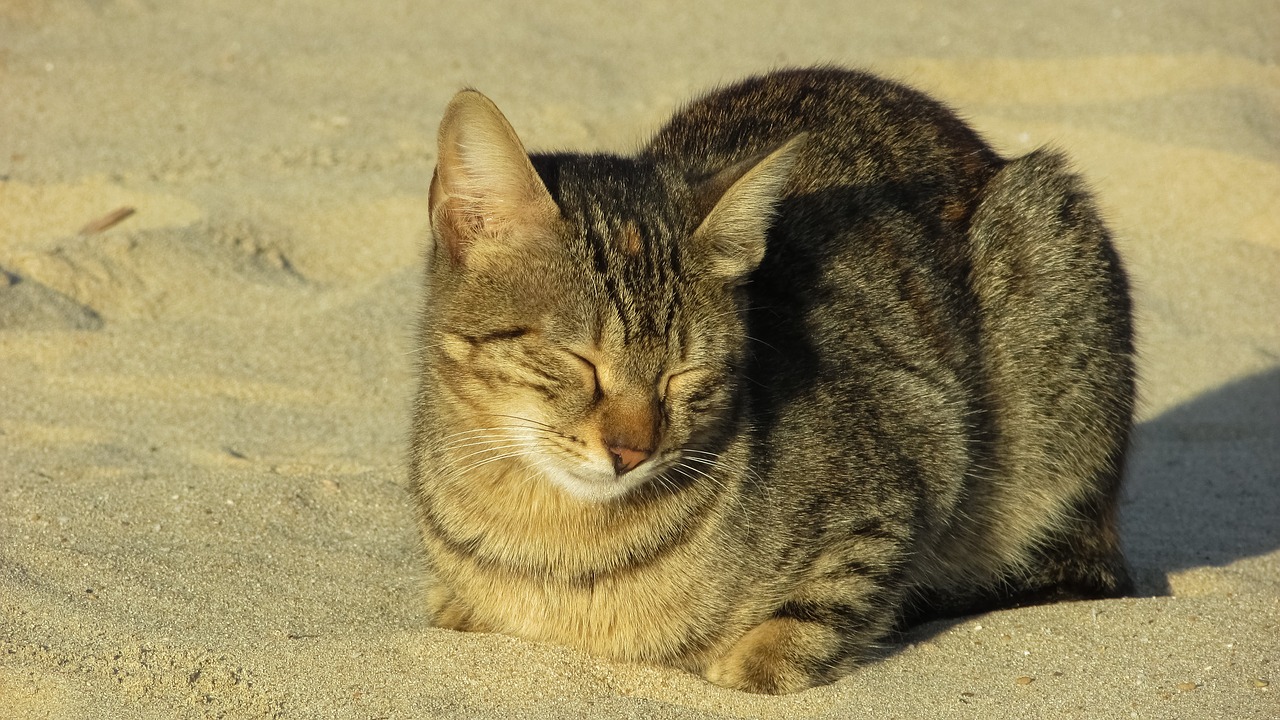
<point>600,489</point>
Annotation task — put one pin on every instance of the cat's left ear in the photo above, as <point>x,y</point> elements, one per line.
<point>743,200</point>
<point>486,198</point>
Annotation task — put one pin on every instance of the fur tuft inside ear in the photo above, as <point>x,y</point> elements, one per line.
<point>485,191</point>
<point>745,197</point>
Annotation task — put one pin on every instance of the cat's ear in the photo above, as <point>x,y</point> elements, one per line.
<point>485,195</point>
<point>740,202</point>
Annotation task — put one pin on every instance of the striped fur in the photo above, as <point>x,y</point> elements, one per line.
<point>814,361</point>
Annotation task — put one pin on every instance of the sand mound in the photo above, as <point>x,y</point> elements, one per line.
<point>151,256</point>
<point>165,272</point>
<point>30,305</point>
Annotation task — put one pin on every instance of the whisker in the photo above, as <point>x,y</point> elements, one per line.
<point>476,465</point>
<point>528,420</point>
<point>479,430</point>
<point>758,340</point>
<point>499,448</point>
<point>680,469</point>
<point>490,441</point>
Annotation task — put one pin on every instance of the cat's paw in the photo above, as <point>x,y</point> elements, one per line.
<point>775,657</point>
<point>446,611</point>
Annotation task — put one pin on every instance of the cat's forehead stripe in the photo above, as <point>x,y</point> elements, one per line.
<point>638,270</point>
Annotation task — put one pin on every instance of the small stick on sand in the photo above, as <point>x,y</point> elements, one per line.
<point>108,221</point>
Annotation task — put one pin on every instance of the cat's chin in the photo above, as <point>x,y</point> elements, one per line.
<point>593,487</point>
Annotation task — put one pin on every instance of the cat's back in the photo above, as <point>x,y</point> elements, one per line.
<point>862,130</point>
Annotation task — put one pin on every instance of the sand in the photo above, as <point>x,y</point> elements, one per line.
<point>203,407</point>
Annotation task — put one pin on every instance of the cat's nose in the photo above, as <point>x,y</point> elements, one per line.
<point>625,459</point>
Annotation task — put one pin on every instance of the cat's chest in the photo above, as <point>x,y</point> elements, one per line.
<point>658,585</point>
<point>665,611</point>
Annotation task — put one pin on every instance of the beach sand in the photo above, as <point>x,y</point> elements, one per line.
<point>204,407</point>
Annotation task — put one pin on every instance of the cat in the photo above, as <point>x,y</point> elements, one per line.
<point>814,361</point>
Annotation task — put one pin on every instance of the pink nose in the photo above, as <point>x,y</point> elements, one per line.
<point>626,459</point>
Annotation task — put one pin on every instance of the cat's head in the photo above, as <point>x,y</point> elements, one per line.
<point>587,322</point>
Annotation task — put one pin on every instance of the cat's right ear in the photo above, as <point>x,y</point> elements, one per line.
<point>740,203</point>
<point>486,198</point>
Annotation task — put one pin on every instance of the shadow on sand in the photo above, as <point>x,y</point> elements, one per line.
<point>1204,482</point>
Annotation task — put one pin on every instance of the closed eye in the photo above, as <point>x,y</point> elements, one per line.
<point>675,382</point>
<point>511,333</point>
<point>590,378</point>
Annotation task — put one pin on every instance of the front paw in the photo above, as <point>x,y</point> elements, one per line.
<point>446,611</point>
<point>776,657</point>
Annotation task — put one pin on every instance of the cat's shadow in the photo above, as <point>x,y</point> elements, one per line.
<point>1203,488</point>
<point>1204,483</point>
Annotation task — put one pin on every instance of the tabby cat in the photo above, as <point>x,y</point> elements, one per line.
<point>814,361</point>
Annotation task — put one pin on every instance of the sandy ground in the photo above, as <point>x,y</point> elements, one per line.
<point>203,408</point>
